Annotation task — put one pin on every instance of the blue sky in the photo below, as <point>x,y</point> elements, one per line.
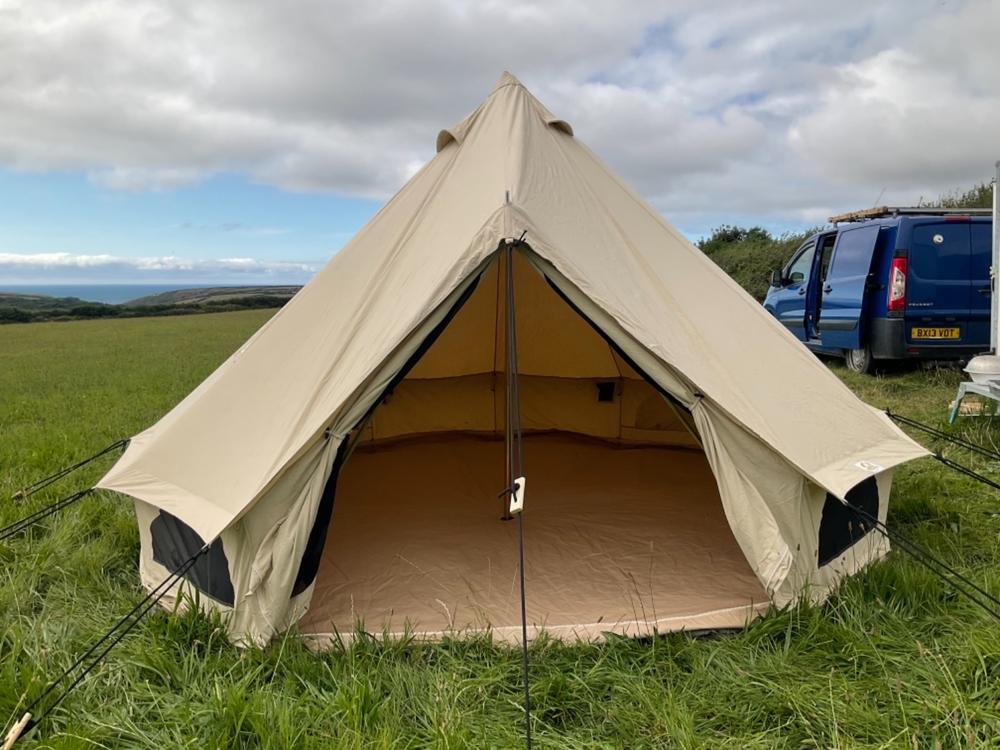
<point>223,217</point>
<point>144,142</point>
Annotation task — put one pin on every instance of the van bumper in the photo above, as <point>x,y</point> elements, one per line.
<point>888,341</point>
<point>888,338</point>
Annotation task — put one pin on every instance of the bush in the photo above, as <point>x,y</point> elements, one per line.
<point>977,196</point>
<point>749,255</point>
<point>96,310</point>
<point>14,315</point>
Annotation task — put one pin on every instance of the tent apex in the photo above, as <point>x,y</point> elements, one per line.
<point>456,134</point>
<point>507,79</point>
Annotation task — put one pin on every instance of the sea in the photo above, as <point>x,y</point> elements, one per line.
<point>109,293</point>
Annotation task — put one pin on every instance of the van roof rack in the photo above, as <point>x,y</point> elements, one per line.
<point>881,211</point>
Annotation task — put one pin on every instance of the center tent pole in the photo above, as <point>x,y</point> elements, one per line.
<point>514,493</point>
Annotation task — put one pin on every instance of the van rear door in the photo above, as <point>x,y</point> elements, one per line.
<point>979,271</point>
<point>939,286</point>
<point>843,296</point>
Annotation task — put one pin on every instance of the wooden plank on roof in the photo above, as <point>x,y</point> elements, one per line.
<point>881,211</point>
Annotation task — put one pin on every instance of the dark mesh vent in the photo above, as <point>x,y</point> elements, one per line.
<point>840,526</point>
<point>606,391</point>
<point>174,543</point>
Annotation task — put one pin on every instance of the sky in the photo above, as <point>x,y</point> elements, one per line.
<point>225,141</point>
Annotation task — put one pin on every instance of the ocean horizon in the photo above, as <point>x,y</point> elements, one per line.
<point>112,294</point>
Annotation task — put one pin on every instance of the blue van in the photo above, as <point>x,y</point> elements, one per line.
<point>890,284</point>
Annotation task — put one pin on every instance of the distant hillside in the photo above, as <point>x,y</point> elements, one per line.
<point>30,308</point>
<point>38,301</point>
<point>216,294</point>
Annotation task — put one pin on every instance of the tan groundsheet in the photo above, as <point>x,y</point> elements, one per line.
<point>616,539</point>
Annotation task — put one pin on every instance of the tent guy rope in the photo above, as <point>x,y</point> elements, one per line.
<point>966,471</point>
<point>18,526</point>
<point>934,432</point>
<point>971,447</point>
<point>95,653</point>
<point>932,563</point>
<point>981,597</point>
<point>41,484</point>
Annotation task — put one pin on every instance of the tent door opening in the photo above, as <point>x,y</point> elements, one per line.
<point>627,531</point>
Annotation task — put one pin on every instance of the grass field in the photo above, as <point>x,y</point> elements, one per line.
<point>895,660</point>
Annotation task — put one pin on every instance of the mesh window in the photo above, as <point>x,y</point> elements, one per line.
<point>840,526</point>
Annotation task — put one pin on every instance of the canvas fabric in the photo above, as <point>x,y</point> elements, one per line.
<point>244,458</point>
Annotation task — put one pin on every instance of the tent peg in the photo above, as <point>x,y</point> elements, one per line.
<point>17,730</point>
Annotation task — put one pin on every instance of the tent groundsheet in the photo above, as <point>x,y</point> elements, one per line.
<point>627,539</point>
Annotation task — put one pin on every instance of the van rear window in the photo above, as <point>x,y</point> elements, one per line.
<point>853,253</point>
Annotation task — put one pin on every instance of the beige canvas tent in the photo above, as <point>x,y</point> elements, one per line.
<point>685,454</point>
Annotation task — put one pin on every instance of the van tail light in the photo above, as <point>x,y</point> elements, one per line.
<point>897,285</point>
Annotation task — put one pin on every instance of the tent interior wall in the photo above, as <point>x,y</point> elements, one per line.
<point>624,531</point>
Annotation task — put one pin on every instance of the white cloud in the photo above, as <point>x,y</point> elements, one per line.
<point>70,267</point>
<point>235,227</point>
<point>146,178</point>
<point>311,95</point>
<point>900,119</point>
<point>773,111</point>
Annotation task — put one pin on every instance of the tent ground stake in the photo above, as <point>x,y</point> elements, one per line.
<point>16,731</point>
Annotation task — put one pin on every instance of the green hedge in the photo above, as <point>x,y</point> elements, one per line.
<point>750,254</point>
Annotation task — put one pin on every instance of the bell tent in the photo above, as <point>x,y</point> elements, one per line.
<point>684,455</point>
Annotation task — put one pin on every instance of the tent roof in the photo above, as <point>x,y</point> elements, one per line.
<point>507,168</point>
<point>457,132</point>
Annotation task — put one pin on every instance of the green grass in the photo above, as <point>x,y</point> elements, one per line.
<point>895,660</point>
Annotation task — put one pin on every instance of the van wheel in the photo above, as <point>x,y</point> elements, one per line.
<point>859,360</point>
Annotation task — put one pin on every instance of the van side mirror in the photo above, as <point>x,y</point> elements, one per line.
<point>776,280</point>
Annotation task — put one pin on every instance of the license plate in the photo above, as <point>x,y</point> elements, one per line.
<point>934,333</point>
